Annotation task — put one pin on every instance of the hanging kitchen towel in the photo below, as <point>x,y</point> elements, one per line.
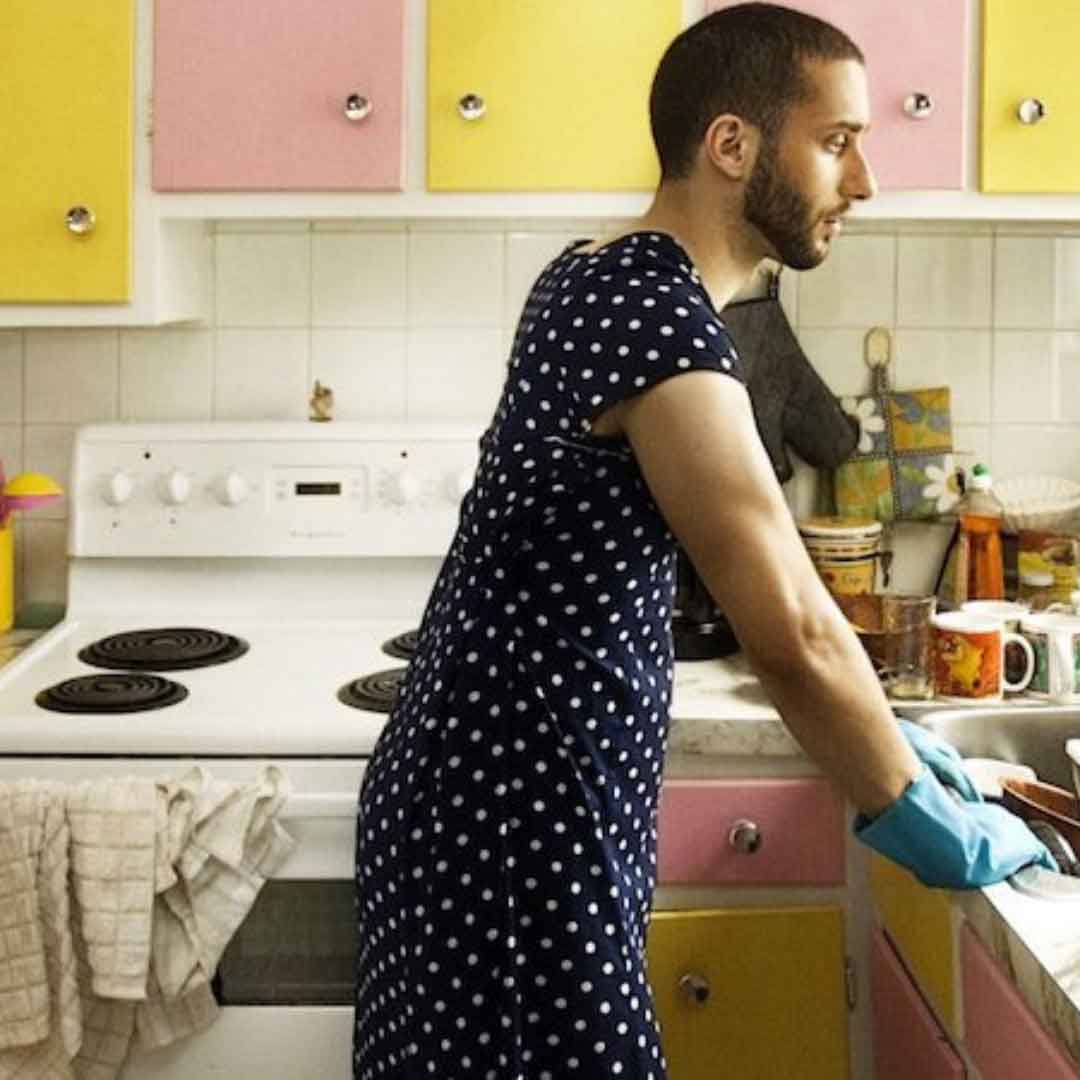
<point>223,841</point>
<point>792,403</point>
<point>40,1012</point>
<point>902,467</point>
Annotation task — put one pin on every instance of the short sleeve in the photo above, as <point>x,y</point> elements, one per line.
<point>633,321</point>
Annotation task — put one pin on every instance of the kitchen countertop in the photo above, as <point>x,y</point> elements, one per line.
<point>1037,944</point>
<point>719,709</point>
<point>12,642</point>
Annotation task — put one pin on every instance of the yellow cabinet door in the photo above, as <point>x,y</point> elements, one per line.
<point>920,923</point>
<point>543,94</point>
<point>1029,61</point>
<point>65,143</point>
<point>775,1003</point>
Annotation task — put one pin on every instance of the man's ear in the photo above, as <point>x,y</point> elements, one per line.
<point>731,145</point>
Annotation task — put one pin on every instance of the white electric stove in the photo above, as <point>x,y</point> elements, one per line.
<point>312,544</point>
<point>301,549</point>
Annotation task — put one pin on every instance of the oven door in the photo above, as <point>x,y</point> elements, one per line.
<point>285,983</point>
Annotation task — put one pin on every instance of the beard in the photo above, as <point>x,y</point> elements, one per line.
<point>781,213</point>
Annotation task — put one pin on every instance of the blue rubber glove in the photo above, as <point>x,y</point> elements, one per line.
<point>942,758</point>
<point>948,844</point>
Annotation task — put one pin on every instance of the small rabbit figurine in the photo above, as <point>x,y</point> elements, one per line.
<point>322,403</point>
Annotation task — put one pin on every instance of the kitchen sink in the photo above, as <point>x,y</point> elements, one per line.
<point>1033,737</point>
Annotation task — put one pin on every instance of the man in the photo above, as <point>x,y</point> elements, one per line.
<point>507,833</point>
<point>758,115</point>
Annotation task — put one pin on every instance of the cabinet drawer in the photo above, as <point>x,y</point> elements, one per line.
<point>907,1039</point>
<point>750,832</point>
<point>1003,1036</point>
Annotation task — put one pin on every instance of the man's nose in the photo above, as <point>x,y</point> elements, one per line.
<point>859,181</point>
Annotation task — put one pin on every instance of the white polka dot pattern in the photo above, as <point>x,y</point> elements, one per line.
<point>506,848</point>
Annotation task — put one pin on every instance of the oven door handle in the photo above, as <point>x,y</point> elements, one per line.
<point>333,804</point>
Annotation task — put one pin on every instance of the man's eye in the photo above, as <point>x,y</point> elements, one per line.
<point>838,143</point>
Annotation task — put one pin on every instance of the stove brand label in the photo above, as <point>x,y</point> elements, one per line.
<point>317,534</point>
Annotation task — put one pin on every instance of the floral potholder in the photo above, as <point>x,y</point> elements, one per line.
<point>902,467</point>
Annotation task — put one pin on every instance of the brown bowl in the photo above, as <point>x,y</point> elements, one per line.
<point>1032,799</point>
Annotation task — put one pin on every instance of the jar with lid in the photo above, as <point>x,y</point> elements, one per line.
<point>846,552</point>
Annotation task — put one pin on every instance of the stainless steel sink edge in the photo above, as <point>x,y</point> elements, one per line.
<point>1021,734</point>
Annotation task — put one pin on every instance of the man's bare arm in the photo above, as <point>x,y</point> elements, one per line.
<point>696,442</point>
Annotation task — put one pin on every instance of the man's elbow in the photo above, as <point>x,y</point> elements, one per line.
<point>799,641</point>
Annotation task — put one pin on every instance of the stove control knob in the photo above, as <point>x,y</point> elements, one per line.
<point>405,488</point>
<point>119,488</point>
<point>231,489</point>
<point>458,484</point>
<point>175,487</point>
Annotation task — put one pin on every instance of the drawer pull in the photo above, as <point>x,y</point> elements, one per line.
<point>80,220</point>
<point>357,108</point>
<point>1031,111</point>
<point>745,837</point>
<point>695,988</point>
<point>472,107</point>
<point>918,105</point>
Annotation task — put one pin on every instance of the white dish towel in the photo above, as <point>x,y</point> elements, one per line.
<point>161,875</point>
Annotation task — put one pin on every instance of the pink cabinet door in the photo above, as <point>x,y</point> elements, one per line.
<point>1002,1035</point>
<point>254,95</point>
<point>750,832</point>
<point>917,47</point>
<point>907,1040</point>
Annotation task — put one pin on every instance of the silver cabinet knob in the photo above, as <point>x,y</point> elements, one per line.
<point>918,105</point>
<point>357,108</point>
<point>472,107</point>
<point>695,988</point>
<point>80,220</point>
<point>745,837</point>
<point>1031,111</point>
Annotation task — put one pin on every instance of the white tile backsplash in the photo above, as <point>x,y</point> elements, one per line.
<point>1023,376</point>
<point>261,375</point>
<point>263,279</point>
<point>944,281</point>
<point>11,438</point>
<point>456,279</point>
<point>166,375</point>
<point>358,279</point>
<point>414,320</point>
<point>959,359</point>
<point>855,287</point>
<point>47,449</point>
<point>366,369</point>
<point>71,375</point>
<point>11,377</point>
<point>454,374</point>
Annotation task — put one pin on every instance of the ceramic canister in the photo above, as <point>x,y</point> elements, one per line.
<point>846,552</point>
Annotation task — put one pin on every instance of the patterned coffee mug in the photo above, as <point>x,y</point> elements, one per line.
<point>969,658</point>
<point>1055,639</point>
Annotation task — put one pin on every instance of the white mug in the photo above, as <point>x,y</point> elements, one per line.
<point>1055,640</point>
<point>1010,612</point>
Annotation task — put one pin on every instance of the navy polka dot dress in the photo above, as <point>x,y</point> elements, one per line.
<point>507,821</point>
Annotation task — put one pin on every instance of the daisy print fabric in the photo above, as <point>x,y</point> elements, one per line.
<point>506,839</point>
<point>902,467</point>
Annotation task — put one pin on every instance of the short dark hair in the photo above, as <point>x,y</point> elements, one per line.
<point>746,60</point>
